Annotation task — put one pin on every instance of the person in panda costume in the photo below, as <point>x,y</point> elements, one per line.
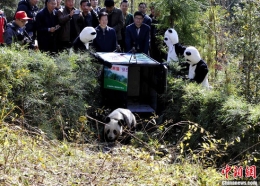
<point>86,36</point>
<point>198,70</point>
<point>175,49</point>
<point>119,121</point>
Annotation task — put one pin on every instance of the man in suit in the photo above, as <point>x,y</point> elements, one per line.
<point>137,35</point>
<point>47,25</point>
<point>115,18</point>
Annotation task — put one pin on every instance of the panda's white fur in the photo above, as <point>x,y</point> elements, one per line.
<point>87,35</point>
<point>115,122</point>
<point>198,70</point>
<point>171,38</point>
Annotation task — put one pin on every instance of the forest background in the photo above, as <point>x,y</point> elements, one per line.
<point>193,140</point>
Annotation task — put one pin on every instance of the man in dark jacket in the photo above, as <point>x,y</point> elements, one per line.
<point>15,31</point>
<point>128,19</point>
<point>137,35</point>
<point>47,25</point>
<point>71,22</point>
<point>142,8</point>
<point>95,10</point>
<point>31,9</point>
<point>115,18</point>
<point>106,40</point>
<point>86,9</point>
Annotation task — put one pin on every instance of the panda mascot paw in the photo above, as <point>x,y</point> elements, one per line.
<point>120,121</point>
<point>175,53</point>
<point>198,69</point>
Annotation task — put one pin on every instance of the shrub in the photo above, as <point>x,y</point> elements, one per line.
<point>51,92</point>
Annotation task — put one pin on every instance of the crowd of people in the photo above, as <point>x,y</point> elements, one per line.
<point>55,27</point>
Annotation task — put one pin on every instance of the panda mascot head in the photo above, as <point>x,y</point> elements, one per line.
<point>171,37</point>
<point>116,121</point>
<point>175,49</point>
<point>87,35</point>
<point>198,69</point>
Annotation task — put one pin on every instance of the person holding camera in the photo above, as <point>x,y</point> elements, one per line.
<point>95,10</point>
<point>47,26</point>
<point>87,10</point>
<point>15,31</point>
<point>71,22</point>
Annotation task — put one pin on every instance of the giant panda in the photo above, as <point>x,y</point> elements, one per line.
<point>118,122</point>
<point>198,70</point>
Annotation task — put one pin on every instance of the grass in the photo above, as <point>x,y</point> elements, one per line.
<point>27,158</point>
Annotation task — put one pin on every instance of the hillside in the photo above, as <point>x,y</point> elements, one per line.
<point>27,158</point>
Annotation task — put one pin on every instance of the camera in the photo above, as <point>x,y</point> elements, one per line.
<point>76,11</point>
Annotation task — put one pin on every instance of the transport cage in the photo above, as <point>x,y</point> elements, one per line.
<point>134,81</point>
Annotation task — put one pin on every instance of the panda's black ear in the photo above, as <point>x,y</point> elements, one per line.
<point>121,122</point>
<point>188,53</point>
<point>107,120</point>
<point>170,30</point>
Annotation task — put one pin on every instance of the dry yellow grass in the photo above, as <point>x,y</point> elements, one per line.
<point>29,159</point>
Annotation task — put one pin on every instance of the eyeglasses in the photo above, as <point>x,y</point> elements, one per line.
<point>137,18</point>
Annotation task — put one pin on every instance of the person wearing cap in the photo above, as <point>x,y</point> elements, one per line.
<point>115,18</point>
<point>105,40</point>
<point>31,9</point>
<point>128,19</point>
<point>137,35</point>
<point>15,31</point>
<point>47,27</point>
<point>71,22</point>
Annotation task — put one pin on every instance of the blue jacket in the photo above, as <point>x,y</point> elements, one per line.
<point>105,42</point>
<point>88,19</point>
<point>147,20</point>
<point>134,40</point>
<point>46,40</point>
<point>14,33</point>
